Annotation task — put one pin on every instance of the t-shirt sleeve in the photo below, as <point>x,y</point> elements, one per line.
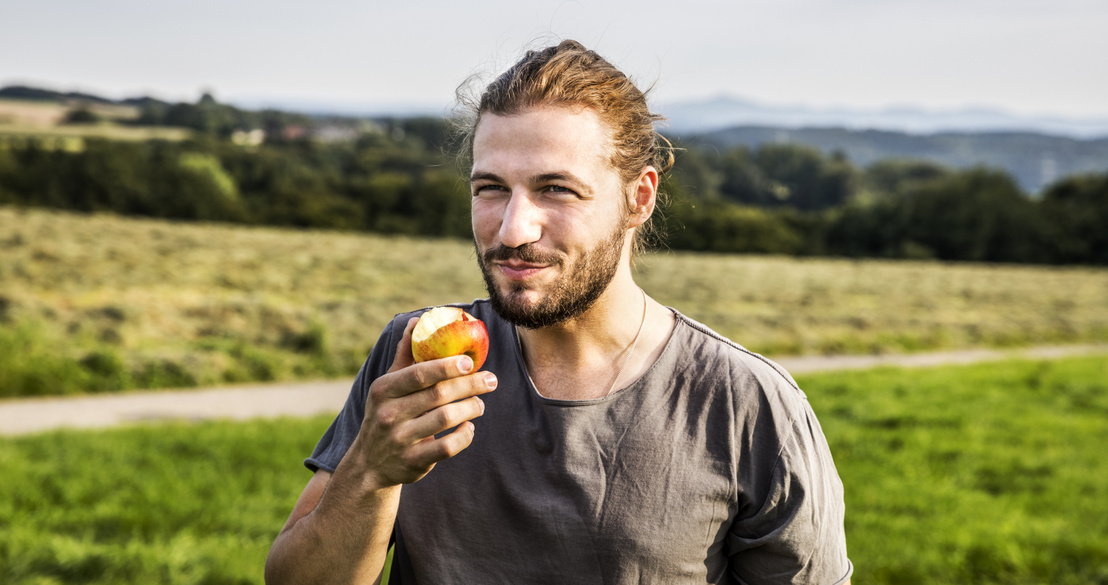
<point>796,535</point>
<point>342,432</point>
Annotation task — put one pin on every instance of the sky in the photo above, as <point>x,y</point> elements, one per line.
<point>1028,57</point>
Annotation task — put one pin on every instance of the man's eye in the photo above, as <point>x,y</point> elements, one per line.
<point>560,189</point>
<point>487,189</point>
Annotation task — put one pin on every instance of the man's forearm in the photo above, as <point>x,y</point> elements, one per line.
<point>340,528</point>
<point>339,531</point>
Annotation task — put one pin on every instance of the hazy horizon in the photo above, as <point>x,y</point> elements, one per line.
<point>1023,57</point>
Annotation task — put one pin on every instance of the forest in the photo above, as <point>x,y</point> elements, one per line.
<point>399,176</point>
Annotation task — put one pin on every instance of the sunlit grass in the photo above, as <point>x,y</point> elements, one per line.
<point>130,303</point>
<point>103,130</point>
<point>986,474</point>
<point>169,504</point>
<point>98,303</point>
<point>43,120</point>
<point>780,305</point>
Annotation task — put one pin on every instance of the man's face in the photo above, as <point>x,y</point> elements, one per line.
<point>549,213</point>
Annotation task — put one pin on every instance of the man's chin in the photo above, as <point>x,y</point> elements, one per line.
<point>515,302</point>
<point>521,308</point>
<point>521,297</point>
<point>516,294</point>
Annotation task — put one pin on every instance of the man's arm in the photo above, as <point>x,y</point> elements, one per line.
<point>345,544</point>
<point>340,527</point>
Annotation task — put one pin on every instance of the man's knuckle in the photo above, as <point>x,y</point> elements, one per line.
<point>377,392</point>
<point>398,437</point>
<point>421,377</point>
<point>439,394</point>
<point>439,450</point>
<point>455,443</point>
<point>445,418</point>
<point>387,417</point>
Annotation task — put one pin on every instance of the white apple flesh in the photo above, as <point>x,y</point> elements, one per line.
<point>449,331</point>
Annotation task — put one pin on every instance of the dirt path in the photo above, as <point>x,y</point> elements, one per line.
<point>24,416</point>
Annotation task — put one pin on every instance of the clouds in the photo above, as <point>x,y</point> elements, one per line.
<point>1024,55</point>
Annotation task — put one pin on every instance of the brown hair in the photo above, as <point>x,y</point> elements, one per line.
<point>571,75</point>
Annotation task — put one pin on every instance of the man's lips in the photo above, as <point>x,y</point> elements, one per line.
<point>519,270</point>
<point>519,264</point>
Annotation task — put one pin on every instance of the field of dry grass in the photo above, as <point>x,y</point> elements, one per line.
<point>99,303</point>
<point>782,305</point>
<point>44,120</point>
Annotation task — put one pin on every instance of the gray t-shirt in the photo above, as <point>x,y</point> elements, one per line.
<point>710,468</point>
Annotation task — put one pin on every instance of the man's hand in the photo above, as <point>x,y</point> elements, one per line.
<point>339,530</point>
<point>411,404</point>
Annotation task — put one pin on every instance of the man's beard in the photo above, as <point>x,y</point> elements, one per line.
<point>580,285</point>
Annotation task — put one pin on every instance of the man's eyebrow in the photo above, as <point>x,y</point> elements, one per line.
<point>557,176</point>
<point>562,176</point>
<point>484,176</point>
<point>581,186</point>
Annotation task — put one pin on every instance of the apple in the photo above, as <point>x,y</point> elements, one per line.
<point>450,331</point>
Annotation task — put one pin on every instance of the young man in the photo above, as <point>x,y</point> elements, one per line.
<point>608,439</point>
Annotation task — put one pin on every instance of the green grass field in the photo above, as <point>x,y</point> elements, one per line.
<point>168,504</point>
<point>102,303</point>
<point>981,474</point>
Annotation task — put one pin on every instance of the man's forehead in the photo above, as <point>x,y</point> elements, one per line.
<point>549,119</point>
<point>556,132</point>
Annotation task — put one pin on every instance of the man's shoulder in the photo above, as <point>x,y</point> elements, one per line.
<point>704,348</point>
<point>759,397</point>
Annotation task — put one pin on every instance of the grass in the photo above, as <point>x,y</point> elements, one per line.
<point>789,306</point>
<point>973,474</point>
<point>77,132</point>
<point>42,119</point>
<point>101,303</point>
<point>159,504</point>
<point>985,474</point>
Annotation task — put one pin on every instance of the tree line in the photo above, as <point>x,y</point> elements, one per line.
<point>399,179</point>
<point>791,199</point>
<point>381,182</point>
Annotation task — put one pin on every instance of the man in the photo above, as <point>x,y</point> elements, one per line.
<point>608,439</point>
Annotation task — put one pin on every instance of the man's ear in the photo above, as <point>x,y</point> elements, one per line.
<point>641,197</point>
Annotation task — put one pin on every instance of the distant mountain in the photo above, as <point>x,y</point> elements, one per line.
<point>316,108</point>
<point>1034,160</point>
<point>355,109</point>
<point>1035,151</point>
<point>22,92</point>
<point>723,112</point>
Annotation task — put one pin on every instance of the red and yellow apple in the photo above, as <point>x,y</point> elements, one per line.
<point>449,331</point>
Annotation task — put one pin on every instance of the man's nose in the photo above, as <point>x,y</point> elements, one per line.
<point>521,223</point>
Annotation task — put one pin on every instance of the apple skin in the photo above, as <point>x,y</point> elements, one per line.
<point>447,332</point>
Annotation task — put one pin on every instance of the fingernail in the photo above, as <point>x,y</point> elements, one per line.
<point>481,404</point>
<point>465,364</point>
<point>490,380</point>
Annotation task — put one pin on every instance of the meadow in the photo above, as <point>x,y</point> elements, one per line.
<point>45,120</point>
<point>984,474</point>
<point>103,303</point>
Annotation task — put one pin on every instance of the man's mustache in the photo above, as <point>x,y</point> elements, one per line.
<point>526,253</point>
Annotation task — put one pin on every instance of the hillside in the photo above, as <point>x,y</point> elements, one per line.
<point>796,192</point>
<point>100,303</point>
<point>30,111</point>
<point>1033,159</point>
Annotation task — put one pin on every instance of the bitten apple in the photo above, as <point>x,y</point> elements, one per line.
<point>449,331</point>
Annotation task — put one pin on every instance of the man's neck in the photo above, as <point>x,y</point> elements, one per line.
<point>581,358</point>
